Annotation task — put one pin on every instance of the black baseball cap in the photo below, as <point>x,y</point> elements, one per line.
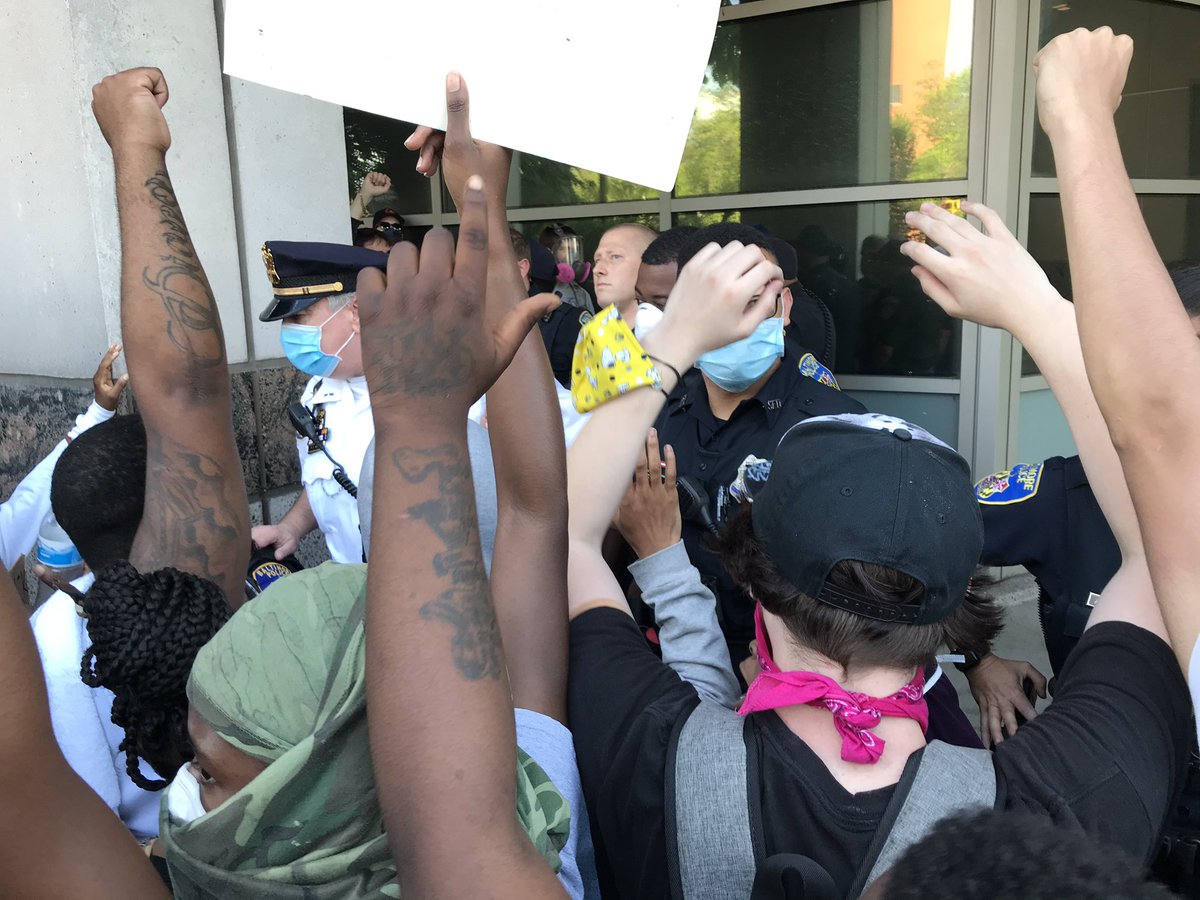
<point>874,489</point>
<point>542,266</point>
<point>383,214</point>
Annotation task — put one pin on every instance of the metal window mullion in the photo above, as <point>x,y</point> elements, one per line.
<point>770,7</point>
<point>874,193</point>
<point>900,384</point>
<point>435,199</point>
<point>1020,227</point>
<point>566,213</point>
<point>1041,185</point>
<point>973,382</point>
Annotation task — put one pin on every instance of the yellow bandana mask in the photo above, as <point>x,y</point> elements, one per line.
<point>609,362</point>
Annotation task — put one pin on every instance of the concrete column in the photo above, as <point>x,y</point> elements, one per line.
<point>62,251</point>
<point>289,177</point>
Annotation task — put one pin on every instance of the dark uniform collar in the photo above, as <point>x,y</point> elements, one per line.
<point>692,395</point>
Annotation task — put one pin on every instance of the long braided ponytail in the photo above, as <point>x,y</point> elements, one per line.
<point>145,632</point>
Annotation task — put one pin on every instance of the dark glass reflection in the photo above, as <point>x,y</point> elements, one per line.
<point>1172,219</point>
<point>1159,118</point>
<point>376,144</point>
<point>848,258</point>
<point>534,181</point>
<point>852,93</point>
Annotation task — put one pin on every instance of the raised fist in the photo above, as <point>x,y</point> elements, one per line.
<point>128,109</point>
<point>1080,77</point>
<point>374,184</point>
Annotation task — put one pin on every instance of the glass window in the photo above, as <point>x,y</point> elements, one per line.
<point>855,93</point>
<point>1159,116</point>
<point>534,181</point>
<point>589,229</point>
<point>848,256</point>
<point>376,144</point>
<point>1172,219</point>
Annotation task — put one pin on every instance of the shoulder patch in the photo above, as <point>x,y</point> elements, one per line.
<point>1016,485</point>
<point>811,368</point>
<point>265,574</point>
<point>585,317</point>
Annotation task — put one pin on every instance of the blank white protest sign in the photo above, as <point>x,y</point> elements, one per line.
<point>607,85</point>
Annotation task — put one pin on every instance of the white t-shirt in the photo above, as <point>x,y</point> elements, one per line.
<point>81,716</point>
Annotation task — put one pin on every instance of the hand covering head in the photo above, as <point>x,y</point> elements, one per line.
<point>284,682</point>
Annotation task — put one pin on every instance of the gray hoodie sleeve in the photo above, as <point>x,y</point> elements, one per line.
<point>688,632</point>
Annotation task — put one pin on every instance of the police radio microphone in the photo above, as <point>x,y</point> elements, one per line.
<point>693,503</point>
<point>306,427</point>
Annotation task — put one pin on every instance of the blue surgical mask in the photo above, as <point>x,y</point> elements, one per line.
<point>302,345</point>
<point>736,366</point>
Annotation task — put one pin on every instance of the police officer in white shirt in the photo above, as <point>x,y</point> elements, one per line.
<point>314,298</point>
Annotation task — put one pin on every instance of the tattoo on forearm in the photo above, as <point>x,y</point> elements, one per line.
<point>194,325</point>
<point>191,520</point>
<point>464,604</point>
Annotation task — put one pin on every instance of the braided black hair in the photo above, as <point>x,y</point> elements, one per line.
<point>145,632</point>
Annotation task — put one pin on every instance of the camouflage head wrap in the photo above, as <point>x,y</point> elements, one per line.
<point>284,682</point>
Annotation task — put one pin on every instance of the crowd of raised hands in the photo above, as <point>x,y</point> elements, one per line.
<point>427,656</point>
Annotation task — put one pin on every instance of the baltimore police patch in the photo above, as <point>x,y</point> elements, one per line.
<point>1016,485</point>
<point>811,368</point>
<point>265,574</point>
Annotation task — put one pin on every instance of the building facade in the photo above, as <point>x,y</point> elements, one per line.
<point>821,120</point>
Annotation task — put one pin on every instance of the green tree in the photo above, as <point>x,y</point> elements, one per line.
<point>944,118</point>
<point>712,157</point>
<point>904,143</point>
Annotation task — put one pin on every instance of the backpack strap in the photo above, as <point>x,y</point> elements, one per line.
<point>709,831</point>
<point>941,781</point>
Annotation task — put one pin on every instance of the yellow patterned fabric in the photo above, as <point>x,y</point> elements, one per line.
<point>609,362</point>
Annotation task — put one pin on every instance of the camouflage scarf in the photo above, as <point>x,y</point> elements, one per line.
<point>284,682</point>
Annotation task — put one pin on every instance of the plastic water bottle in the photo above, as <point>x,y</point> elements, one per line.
<point>56,552</point>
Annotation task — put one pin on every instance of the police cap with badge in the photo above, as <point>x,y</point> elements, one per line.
<point>303,272</point>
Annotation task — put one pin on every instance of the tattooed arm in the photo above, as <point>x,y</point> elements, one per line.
<point>195,516</point>
<point>529,566</point>
<point>429,615</point>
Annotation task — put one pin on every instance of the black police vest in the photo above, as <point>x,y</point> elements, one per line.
<point>750,431</point>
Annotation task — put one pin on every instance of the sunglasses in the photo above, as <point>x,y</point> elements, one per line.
<point>389,226</point>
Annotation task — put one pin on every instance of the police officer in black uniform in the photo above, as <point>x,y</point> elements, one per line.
<point>709,449</point>
<point>559,327</point>
<point>1046,518</point>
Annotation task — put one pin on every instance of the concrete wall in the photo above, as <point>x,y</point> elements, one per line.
<point>248,163</point>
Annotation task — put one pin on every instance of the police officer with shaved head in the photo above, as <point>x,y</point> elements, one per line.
<point>313,285</point>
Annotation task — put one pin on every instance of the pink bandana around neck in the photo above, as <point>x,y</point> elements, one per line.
<point>854,714</point>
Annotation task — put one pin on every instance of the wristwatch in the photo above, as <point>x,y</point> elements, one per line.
<point>970,660</point>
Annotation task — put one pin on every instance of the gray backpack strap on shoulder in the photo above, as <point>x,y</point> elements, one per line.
<point>711,816</point>
<point>946,781</point>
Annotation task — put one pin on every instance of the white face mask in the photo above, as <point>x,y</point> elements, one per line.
<point>183,796</point>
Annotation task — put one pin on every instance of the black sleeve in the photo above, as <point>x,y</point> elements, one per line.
<point>624,703</point>
<point>1025,532</point>
<point>614,677</point>
<point>1108,755</point>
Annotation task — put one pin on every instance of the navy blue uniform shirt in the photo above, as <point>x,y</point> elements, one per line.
<point>1046,518</point>
<point>711,450</point>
